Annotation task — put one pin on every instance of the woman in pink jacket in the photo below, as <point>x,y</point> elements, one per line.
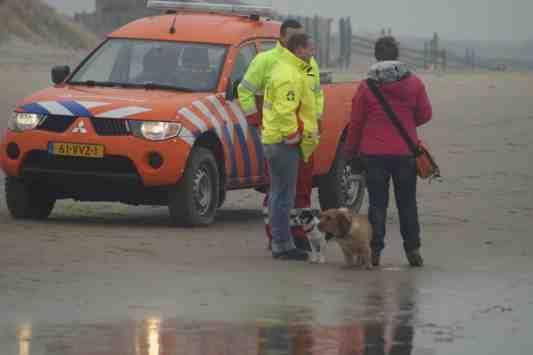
<point>385,154</point>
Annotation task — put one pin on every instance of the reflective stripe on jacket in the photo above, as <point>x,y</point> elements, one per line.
<point>314,81</point>
<point>257,75</point>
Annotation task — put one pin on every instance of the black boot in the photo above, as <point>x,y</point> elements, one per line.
<point>376,258</point>
<point>414,258</point>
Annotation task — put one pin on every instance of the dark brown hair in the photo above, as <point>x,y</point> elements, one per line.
<point>289,23</point>
<point>386,48</point>
<point>300,40</point>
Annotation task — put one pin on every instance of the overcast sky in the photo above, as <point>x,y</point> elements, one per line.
<point>452,19</point>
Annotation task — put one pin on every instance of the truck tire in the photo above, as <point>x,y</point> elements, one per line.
<point>194,201</point>
<point>341,187</point>
<point>28,200</point>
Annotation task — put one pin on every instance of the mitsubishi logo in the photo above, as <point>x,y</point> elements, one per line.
<point>80,128</point>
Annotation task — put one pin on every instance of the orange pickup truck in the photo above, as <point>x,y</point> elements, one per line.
<point>151,117</point>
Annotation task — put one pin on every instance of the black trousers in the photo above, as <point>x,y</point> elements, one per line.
<point>381,169</point>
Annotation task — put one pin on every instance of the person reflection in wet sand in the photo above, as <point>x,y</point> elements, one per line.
<point>390,303</point>
<point>392,335</point>
<point>297,336</point>
<point>351,341</point>
<point>305,339</point>
<point>293,335</point>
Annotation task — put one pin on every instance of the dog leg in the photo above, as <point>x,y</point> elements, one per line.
<point>322,253</point>
<point>359,261</point>
<point>348,258</point>
<point>314,257</point>
<point>367,258</point>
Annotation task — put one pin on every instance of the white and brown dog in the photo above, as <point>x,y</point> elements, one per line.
<point>308,220</point>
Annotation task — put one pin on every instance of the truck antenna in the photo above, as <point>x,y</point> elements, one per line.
<point>173,26</point>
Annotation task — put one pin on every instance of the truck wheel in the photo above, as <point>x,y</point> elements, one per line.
<point>341,187</point>
<point>28,201</point>
<point>195,199</point>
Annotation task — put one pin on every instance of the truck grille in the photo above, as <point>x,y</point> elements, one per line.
<point>111,127</point>
<point>102,126</point>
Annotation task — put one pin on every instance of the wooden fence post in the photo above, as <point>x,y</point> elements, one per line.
<point>308,25</point>
<point>328,43</point>
<point>342,43</point>
<point>434,49</point>
<point>349,38</point>
<point>318,43</point>
<point>426,55</point>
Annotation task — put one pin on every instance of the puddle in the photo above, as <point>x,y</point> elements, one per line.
<point>381,322</point>
<point>391,313</point>
<point>156,336</point>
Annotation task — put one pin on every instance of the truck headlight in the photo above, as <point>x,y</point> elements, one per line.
<point>155,130</point>
<point>21,121</point>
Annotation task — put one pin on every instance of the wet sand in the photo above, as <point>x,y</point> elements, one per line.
<point>114,279</point>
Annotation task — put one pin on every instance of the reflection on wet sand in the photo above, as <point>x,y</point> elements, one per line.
<point>24,336</point>
<point>147,340</point>
<point>386,328</point>
<point>395,332</point>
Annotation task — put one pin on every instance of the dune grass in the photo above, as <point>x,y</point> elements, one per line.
<point>38,23</point>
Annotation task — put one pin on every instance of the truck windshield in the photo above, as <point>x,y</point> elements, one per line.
<point>149,64</point>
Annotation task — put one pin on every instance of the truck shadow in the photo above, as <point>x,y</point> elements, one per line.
<point>147,217</point>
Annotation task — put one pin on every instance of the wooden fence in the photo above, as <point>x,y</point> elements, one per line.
<point>432,56</point>
<point>334,49</point>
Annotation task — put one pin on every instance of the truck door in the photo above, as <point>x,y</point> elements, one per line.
<point>247,150</point>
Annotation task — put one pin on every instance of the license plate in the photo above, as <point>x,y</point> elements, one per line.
<point>77,150</point>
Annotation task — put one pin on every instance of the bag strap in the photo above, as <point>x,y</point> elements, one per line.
<point>372,84</point>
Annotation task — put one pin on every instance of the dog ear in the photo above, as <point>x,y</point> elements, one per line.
<point>343,222</point>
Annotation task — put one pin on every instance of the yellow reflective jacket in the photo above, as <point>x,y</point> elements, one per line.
<point>258,74</point>
<point>289,99</point>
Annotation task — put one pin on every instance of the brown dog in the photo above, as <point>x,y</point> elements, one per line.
<point>352,233</point>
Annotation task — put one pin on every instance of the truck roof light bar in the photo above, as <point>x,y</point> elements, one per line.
<point>244,10</point>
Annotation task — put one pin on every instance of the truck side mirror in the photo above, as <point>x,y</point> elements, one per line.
<point>326,77</point>
<point>60,73</point>
<point>231,90</point>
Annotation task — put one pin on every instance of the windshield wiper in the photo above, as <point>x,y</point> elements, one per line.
<point>146,86</point>
<point>154,86</point>
<point>95,83</point>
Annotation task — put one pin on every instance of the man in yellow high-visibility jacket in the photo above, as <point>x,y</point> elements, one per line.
<point>290,132</point>
<point>252,86</point>
<point>250,92</point>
